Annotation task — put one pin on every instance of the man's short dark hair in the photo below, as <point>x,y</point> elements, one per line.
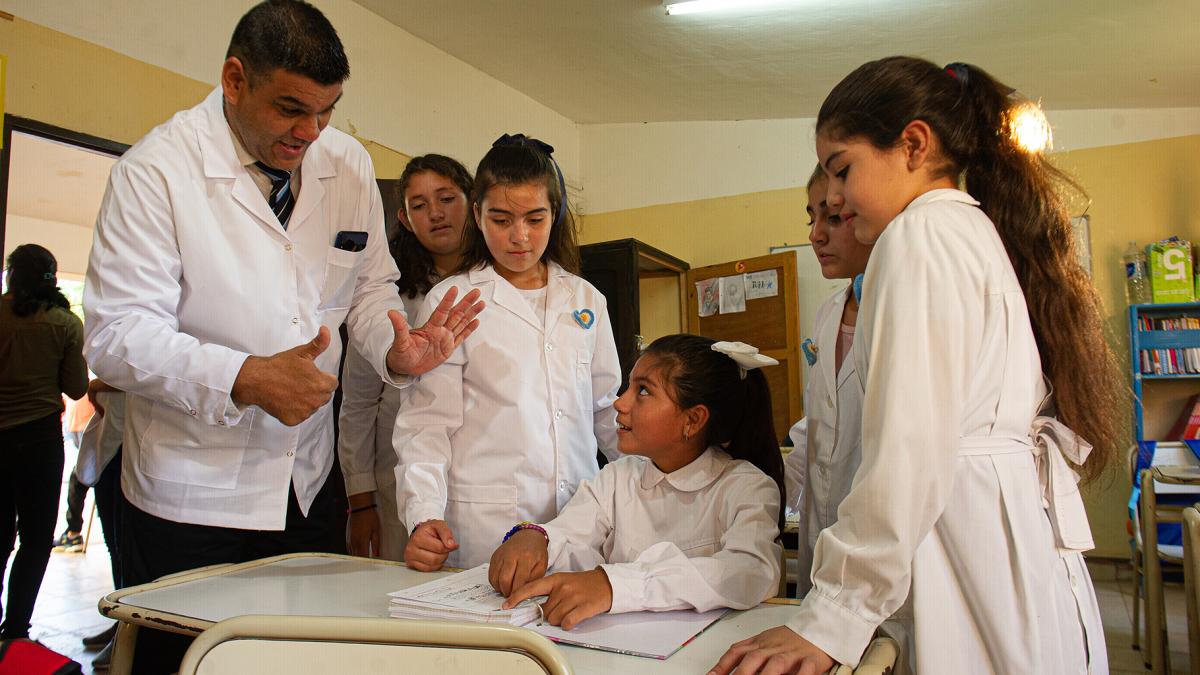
<point>289,34</point>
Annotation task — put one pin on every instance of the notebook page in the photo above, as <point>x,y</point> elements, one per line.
<point>654,635</point>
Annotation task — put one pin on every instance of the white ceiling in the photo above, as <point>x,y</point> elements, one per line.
<point>601,61</point>
<point>56,182</point>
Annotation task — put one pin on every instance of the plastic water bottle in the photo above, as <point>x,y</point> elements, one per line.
<point>1137,286</point>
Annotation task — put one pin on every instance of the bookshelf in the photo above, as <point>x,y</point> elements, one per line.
<point>1165,375</point>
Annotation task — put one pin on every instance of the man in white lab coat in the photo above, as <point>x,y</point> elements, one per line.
<point>232,242</point>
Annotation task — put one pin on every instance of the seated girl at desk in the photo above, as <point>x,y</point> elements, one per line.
<point>509,425</point>
<point>688,519</point>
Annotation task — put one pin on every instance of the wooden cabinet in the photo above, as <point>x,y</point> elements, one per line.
<point>634,277</point>
<point>769,323</point>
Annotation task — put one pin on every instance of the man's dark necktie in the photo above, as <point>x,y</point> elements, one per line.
<point>281,199</point>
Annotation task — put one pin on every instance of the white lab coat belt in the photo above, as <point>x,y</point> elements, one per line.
<point>1052,444</point>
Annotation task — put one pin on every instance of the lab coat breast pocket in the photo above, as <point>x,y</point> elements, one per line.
<point>180,450</point>
<point>341,272</point>
<point>583,380</point>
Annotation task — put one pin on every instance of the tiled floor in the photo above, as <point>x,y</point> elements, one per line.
<point>66,609</point>
<point>1114,590</point>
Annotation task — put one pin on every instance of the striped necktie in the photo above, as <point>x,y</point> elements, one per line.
<point>281,199</point>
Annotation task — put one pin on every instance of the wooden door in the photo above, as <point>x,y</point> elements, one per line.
<point>769,323</point>
<point>392,201</point>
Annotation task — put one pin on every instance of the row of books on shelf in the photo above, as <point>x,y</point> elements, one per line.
<point>1183,361</point>
<point>1168,322</point>
<point>1179,361</point>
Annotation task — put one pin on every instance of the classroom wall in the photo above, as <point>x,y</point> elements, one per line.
<point>628,166</point>
<point>404,95</point>
<point>59,237</point>
<point>1145,192</point>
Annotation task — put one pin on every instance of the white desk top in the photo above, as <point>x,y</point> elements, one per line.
<point>299,586</point>
<point>323,585</point>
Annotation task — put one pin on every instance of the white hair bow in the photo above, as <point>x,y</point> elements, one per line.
<point>744,355</point>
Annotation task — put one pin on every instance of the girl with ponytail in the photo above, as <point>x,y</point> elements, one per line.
<point>981,351</point>
<point>687,519</point>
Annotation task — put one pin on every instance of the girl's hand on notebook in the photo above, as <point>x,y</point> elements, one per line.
<point>518,561</point>
<point>573,596</point>
<point>429,545</point>
<point>778,650</point>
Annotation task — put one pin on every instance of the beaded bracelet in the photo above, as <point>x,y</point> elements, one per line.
<point>368,507</point>
<point>525,525</point>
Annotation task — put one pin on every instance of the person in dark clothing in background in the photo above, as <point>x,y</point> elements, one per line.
<point>41,359</point>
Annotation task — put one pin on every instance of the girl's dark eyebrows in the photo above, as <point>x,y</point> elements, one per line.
<point>830,158</point>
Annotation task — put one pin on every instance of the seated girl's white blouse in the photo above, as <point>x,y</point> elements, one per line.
<point>700,537</point>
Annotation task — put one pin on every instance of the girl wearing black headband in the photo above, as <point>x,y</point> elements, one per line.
<point>507,428</point>
<point>981,350</point>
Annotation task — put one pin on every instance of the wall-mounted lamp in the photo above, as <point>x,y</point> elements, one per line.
<point>1029,127</point>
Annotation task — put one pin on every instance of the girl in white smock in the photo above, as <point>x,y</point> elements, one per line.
<point>966,502</point>
<point>507,428</point>
<point>427,246</point>
<point>687,519</point>
<point>828,441</point>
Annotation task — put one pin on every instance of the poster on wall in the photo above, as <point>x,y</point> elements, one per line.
<point>733,294</point>
<point>706,297</point>
<point>1080,227</point>
<point>764,284</point>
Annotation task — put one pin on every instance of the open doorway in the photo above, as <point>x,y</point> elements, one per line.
<point>51,184</point>
<point>52,181</point>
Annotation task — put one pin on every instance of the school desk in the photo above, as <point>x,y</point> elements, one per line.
<point>320,584</point>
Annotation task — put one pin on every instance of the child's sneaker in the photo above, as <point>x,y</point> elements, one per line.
<point>68,542</point>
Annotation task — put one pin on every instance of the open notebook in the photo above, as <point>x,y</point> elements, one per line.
<point>467,596</point>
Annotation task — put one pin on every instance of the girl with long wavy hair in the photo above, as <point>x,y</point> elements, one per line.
<point>982,356</point>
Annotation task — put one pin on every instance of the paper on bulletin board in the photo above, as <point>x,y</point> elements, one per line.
<point>764,284</point>
<point>733,294</point>
<point>706,297</point>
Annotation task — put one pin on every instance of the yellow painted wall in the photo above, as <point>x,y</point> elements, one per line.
<point>1144,191</point>
<point>709,231</point>
<point>64,81</point>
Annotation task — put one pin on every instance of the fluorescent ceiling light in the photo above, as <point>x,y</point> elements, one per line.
<point>695,6</point>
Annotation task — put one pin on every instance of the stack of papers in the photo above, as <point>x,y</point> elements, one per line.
<point>467,596</point>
